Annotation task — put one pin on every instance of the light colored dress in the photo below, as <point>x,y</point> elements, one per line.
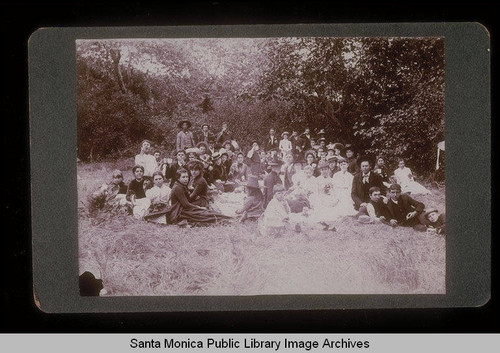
<point>323,201</point>
<point>404,177</point>
<point>285,146</point>
<point>157,195</point>
<point>148,162</point>
<point>342,186</point>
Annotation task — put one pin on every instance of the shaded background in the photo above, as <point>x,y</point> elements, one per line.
<point>18,313</point>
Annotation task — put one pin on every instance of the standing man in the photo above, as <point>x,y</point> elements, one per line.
<point>272,140</point>
<point>363,181</point>
<point>205,135</point>
<point>306,139</point>
<point>185,138</point>
<point>146,160</point>
<point>223,136</point>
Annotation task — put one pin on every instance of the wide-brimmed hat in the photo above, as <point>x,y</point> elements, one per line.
<point>306,153</point>
<point>340,159</point>
<point>195,163</point>
<point>252,182</point>
<point>223,151</point>
<point>285,133</point>
<point>180,123</point>
<point>193,150</point>
<point>321,132</point>
<point>205,124</point>
<point>274,162</point>
<point>330,146</point>
<point>323,164</point>
<point>202,143</point>
<point>365,219</point>
<point>338,146</point>
<point>332,158</point>
<point>216,155</point>
<point>427,212</point>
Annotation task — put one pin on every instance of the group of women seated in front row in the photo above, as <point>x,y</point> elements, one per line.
<point>280,192</point>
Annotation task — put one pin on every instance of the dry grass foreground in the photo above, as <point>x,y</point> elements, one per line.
<point>139,258</point>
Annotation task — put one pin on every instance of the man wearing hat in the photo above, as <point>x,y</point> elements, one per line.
<point>404,210</point>
<point>185,138</point>
<point>205,135</point>
<point>271,179</point>
<point>272,140</point>
<point>363,181</point>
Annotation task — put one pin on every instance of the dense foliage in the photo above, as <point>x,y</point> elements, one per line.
<point>384,95</point>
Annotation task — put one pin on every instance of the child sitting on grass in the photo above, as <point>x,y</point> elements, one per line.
<point>275,220</point>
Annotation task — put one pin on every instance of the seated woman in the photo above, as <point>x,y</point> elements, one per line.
<point>404,177</point>
<point>136,193</point>
<point>199,195</point>
<point>182,210</point>
<point>381,169</point>
<point>253,205</point>
<point>159,197</point>
<point>323,201</point>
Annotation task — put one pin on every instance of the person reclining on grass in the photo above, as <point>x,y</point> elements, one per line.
<point>435,222</point>
<point>404,210</point>
<point>375,210</point>
<point>109,195</point>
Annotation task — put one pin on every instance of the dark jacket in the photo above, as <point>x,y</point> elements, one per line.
<point>406,204</point>
<point>359,191</point>
<point>136,188</point>
<point>268,145</point>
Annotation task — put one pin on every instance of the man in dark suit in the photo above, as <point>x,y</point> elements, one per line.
<point>306,139</point>
<point>223,135</point>
<point>404,210</point>
<point>205,135</point>
<point>169,170</point>
<point>363,181</point>
<point>272,141</point>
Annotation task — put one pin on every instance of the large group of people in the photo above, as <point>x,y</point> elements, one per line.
<point>293,181</point>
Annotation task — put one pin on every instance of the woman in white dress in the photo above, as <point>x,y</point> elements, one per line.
<point>159,196</point>
<point>323,200</point>
<point>342,186</point>
<point>285,145</point>
<point>405,178</point>
<point>146,160</point>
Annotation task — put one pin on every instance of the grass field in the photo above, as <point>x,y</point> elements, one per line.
<point>138,258</point>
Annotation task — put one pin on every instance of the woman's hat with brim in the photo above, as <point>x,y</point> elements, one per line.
<point>348,147</point>
<point>308,152</point>
<point>252,182</point>
<point>202,143</point>
<point>322,132</point>
<point>205,124</point>
<point>365,219</point>
<point>364,158</point>
<point>338,146</point>
<point>332,159</point>
<point>193,150</point>
<point>330,147</point>
<point>195,163</point>
<point>180,123</point>
<point>216,155</point>
<point>285,133</point>
<point>323,164</point>
<point>223,151</point>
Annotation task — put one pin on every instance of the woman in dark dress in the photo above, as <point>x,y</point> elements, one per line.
<point>199,195</point>
<point>182,209</point>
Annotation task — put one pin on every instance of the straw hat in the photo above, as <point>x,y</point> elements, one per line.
<point>253,182</point>
<point>193,150</point>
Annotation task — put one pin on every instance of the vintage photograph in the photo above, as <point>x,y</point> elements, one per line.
<point>261,166</point>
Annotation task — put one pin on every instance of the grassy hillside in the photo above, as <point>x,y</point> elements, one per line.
<point>138,258</point>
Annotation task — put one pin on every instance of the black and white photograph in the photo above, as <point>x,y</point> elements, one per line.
<point>261,166</point>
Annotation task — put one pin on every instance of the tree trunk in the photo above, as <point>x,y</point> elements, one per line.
<point>115,56</point>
